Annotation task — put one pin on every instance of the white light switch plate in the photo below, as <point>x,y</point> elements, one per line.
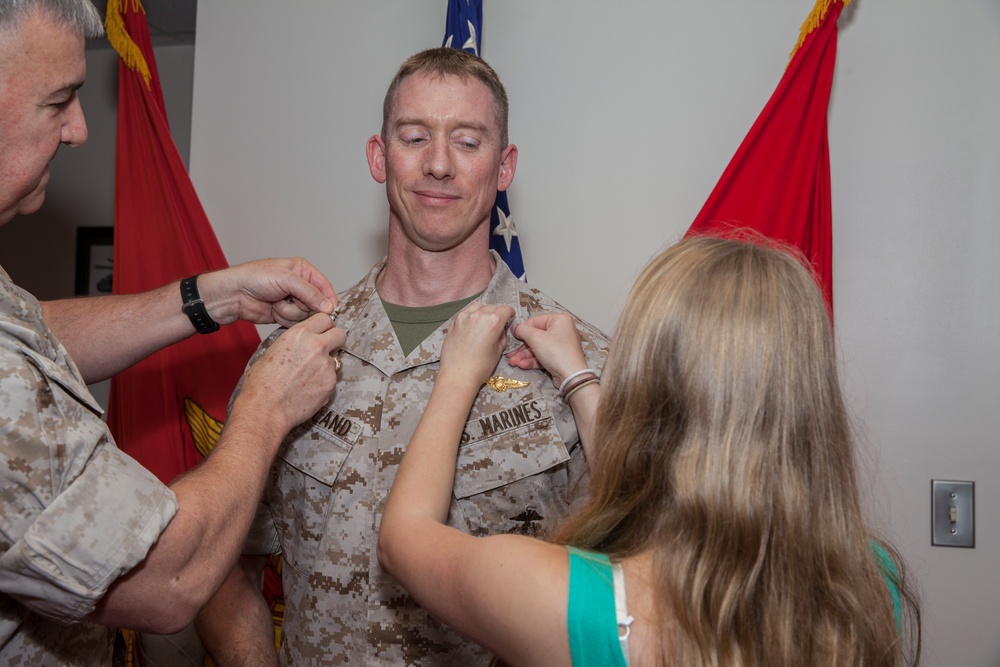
<point>953,518</point>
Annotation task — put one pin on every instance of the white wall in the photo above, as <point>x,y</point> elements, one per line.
<point>625,114</point>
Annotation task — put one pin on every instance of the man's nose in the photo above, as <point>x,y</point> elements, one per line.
<point>439,160</point>
<point>74,130</point>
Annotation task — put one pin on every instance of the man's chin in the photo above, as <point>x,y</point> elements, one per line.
<point>26,206</point>
<point>31,203</point>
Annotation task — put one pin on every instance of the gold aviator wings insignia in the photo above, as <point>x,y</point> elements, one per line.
<point>499,383</point>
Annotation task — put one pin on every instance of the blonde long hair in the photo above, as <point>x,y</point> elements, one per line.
<point>725,448</point>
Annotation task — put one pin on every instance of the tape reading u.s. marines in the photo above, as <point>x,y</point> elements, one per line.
<point>511,418</point>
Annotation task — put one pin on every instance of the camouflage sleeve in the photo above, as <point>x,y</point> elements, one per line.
<point>595,349</point>
<point>75,512</point>
<point>263,536</point>
<point>595,345</point>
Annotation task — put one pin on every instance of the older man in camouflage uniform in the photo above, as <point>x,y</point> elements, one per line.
<point>89,539</point>
<point>443,154</point>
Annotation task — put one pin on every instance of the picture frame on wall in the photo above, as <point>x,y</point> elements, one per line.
<point>94,260</point>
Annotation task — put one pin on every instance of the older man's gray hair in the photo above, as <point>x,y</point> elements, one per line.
<point>78,15</point>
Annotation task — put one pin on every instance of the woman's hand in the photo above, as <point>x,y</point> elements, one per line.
<point>551,342</point>
<point>475,341</point>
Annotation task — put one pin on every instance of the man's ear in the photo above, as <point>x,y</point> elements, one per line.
<point>508,163</point>
<point>375,149</point>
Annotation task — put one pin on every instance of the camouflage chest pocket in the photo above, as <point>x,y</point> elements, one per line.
<point>59,376</point>
<point>306,469</point>
<point>512,474</point>
<point>68,416</point>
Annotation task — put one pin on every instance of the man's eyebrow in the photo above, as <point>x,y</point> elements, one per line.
<point>477,127</point>
<point>68,89</point>
<point>401,122</point>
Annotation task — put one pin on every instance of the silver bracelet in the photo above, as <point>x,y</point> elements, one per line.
<point>571,376</point>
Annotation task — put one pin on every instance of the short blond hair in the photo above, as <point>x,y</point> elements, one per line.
<point>446,61</point>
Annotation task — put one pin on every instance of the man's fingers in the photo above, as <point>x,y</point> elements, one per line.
<point>289,311</point>
<point>316,323</point>
<point>338,337</point>
<point>313,275</point>
<point>332,337</point>
<point>311,298</point>
<point>319,322</point>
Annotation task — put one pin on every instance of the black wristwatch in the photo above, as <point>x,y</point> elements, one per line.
<point>194,307</point>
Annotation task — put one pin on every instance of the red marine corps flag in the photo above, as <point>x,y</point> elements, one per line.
<point>778,182</point>
<point>166,411</point>
<point>161,235</point>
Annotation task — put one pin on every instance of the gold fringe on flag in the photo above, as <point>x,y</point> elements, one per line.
<point>127,49</point>
<point>813,21</point>
<point>130,658</point>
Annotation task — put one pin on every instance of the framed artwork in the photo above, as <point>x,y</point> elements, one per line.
<point>94,260</point>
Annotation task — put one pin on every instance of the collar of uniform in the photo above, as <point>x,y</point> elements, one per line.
<point>505,288</point>
<point>354,302</point>
<point>370,336</point>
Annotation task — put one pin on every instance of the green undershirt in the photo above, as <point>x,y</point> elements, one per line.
<point>413,324</point>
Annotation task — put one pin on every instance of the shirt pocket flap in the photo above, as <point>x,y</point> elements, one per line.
<point>315,453</point>
<point>507,446</point>
<point>62,377</point>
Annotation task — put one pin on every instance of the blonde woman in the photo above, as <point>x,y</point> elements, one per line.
<point>723,524</point>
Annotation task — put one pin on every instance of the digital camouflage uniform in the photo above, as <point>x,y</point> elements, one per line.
<point>75,512</point>
<point>518,466</point>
